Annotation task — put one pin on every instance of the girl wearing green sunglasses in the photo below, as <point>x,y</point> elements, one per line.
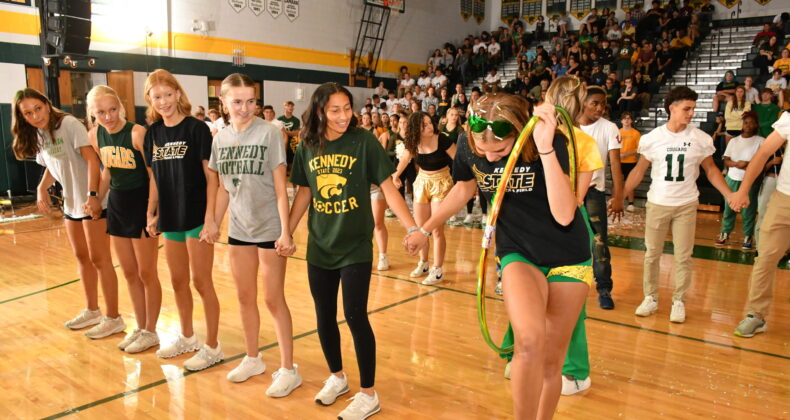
<point>541,239</point>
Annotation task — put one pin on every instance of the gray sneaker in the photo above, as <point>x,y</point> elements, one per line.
<point>750,326</point>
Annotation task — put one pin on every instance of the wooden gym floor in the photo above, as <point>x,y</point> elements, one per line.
<point>432,361</point>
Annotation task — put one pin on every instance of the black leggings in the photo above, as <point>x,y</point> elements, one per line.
<point>483,204</point>
<point>356,285</point>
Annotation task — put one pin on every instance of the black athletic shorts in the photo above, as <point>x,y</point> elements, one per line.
<point>627,168</point>
<point>79,219</point>
<point>127,210</point>
<point>263,245</point>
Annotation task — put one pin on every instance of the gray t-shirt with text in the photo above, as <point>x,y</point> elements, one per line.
<point>245,161</point>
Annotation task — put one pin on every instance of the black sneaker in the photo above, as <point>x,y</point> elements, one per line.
<point>605,300</point>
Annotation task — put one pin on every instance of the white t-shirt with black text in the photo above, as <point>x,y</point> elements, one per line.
<point>738,149</point>
<point>607,137</point>
<point>675,163</point>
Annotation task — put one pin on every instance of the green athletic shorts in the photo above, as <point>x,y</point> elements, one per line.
<point>569,273</point>
<point>182,236</point>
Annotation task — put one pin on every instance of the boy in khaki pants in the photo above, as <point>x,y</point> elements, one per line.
<point>676,151</point>
<point>774,230</point>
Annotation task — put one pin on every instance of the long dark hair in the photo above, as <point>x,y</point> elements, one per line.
<point>414,132</point>
<point>25,135</point>
<point>313,133</point>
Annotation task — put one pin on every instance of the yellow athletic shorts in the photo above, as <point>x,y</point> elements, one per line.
<point>432,188</point>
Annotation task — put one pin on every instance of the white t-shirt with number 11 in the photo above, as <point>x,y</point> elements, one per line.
<point>675,160</point>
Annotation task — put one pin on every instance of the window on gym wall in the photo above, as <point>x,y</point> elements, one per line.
<point>531,8</point>
<point>580,8</point>
<point>629,4</point>
<point>604,4</point>
<point>555,7</point>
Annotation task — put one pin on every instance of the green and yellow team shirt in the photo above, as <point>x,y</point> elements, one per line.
<point>340,220</point>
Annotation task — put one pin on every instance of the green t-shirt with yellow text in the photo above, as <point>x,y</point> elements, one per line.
<point>340,220</point>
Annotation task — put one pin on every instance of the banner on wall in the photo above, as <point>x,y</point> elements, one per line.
<point>292,9</point>
<point>467,8</point>
<point>257,6</point>
<point>511,9</point>
<point>20,2</point>
<point>580,8</point>
<point>531,9</point>
<point>479,11</point>
<point>237,5</point>
<point>729,3</point>
<point>275,7</point>
<point>763,2</point>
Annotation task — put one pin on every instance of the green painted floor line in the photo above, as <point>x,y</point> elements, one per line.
<point>700,251</point>
<point>186,373</point>
<point>39,291</point>
<point>700,340</point>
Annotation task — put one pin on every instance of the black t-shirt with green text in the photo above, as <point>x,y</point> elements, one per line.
<point>340,220</point>
<point>525,224</point>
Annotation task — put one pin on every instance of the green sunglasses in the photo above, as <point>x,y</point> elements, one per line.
<point>500,128</point>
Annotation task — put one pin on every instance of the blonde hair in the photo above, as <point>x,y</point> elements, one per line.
<point>504,107</point>
<point>164,77</point>
<point>97,92</point>
<point>567,92</point>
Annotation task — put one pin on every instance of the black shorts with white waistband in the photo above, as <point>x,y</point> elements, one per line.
<point>79,219</point>
<point>126,215</point>
<point>263,245</point>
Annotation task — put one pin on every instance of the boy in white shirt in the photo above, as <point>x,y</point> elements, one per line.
<point>676,151</point>
<point>774,231</point>
<point>777,84</point>
<point>607,136</point>
<point>439,80</point>
<point>739,152</point>
<point>392,100</point>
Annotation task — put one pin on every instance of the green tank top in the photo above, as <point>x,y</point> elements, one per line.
<point>126,164</point>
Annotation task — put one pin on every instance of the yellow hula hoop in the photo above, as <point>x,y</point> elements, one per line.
<point>493,214</point>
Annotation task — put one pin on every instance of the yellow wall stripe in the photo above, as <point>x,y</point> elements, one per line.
<point>26,24</point>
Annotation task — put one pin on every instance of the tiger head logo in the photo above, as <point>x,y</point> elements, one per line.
<point>330,185</point>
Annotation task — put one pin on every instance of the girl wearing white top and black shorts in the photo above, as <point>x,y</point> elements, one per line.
<point>59,142</point>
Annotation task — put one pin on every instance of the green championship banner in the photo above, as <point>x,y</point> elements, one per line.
<point>511,9</point>
<point>580,8</point>
<point>479,11</point>
<point>467,8</point>
<point>531,9</point>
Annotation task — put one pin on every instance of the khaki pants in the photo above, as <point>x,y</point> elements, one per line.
<point>774,242</point>
<point>683,221</point>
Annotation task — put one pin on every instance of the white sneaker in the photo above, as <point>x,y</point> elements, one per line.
<point>205,358</point>
<point>422,268</point>
<point>333,388</point>
<point>145,341</point>
<point>469,219</point>
<point>507,369</point>
<point>498,288</point>
<point>249,367</point>
<point>678,313</point>
<point>107,326</point>
<point>630,208</point>
<point>384,263</point>
<point>129,339</point>
<point>574,386</point>
<point>362,406</point>
<point>648,307</point>
<point>180,346</point>
<point>285,381</point>
<point>85,318</point>
<point>435,276</point>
